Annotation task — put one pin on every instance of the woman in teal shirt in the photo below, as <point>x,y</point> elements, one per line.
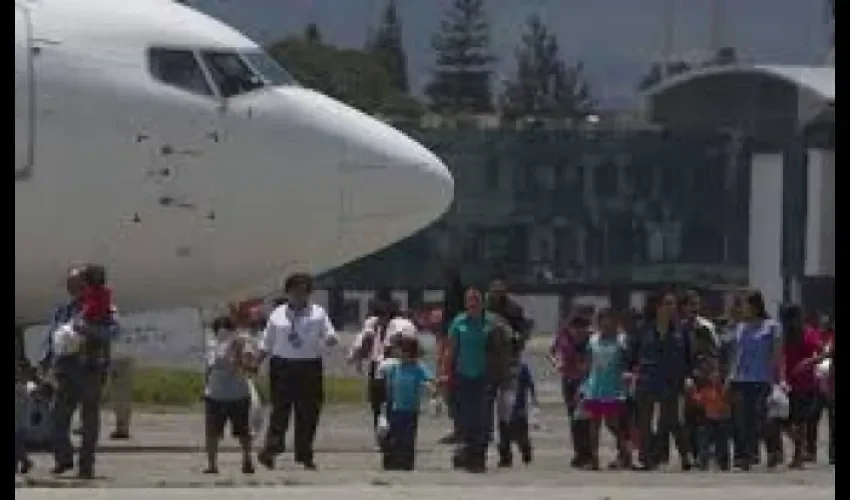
<point>469,335</point>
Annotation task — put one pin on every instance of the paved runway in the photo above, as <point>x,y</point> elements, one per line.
<point>166,453</point>
<point>441,492</point>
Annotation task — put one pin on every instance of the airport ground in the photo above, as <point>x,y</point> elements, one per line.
<point>166,453</point>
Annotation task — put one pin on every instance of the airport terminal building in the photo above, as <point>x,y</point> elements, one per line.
<point>732,186</point>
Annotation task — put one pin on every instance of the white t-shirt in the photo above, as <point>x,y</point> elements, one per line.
<point>291,334</point>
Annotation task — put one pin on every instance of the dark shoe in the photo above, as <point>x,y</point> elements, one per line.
<point>505,460</point>
<point>247,467</point>
<point>578,462</point>
<point>85,474</point>
<point>119,435</point>
<point>527,457</point>
<point>266,459</point>
<point>810,458</point>
<point>644,467</point>
<point>449,438</point>
<point>61,469</point>
<point>686,464</point>
<point>211,470</point>
<point>477,468</point>
<point>592,464</point>
<point>773,461</point>
<point>25,466</point>
<point>309,464</point>
<point>796,463</point>
<point>724,467</point>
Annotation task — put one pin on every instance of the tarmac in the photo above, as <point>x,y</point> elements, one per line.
<point>164,458</point>
<point>165,452</point>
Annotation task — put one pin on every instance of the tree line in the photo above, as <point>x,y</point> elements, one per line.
<point>375,78</point>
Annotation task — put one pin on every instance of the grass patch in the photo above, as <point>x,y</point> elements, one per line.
<point>173,387</point>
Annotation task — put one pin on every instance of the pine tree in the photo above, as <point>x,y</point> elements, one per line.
<point>312,34</point>
<point>462,76</point>
<point>544,86</point>
<point>387,46</point>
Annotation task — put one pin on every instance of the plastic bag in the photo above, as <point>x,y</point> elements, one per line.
<point>778,406</point>
<point>66,340</point>
<point>383,428</point>
<point>822,373</point>
<point>258,412</point>
<point>534,420</point>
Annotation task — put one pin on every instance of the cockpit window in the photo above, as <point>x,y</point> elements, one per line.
<point>178,68</point>
<point>269,69</point>
<point>231,74</point>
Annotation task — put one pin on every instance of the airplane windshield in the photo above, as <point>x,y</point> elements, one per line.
<point>231,74</point>
<point>269,69</point>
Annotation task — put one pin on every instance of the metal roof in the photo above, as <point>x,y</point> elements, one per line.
<point>817,79</point>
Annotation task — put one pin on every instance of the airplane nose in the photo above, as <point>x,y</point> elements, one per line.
<point>390,174</point>
<point>390,186</point>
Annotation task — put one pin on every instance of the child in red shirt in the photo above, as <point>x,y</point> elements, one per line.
<point>97,297</point>
<point>711,396</point>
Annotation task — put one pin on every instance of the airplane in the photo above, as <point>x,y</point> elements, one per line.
<point>172,149</point>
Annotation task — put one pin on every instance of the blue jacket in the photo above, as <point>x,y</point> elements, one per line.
<point>662,363</point>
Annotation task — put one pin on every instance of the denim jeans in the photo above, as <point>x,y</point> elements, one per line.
<point>473,419</point>
<point>749,411</point>
<point>77,385</point>
<point>400,448</point>
<point>713,438</point>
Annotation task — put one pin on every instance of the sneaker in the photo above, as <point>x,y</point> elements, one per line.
<point>119,435</point>
<point>25,466</point>
<point>210,470</point>
<point>61,469</point>
<point>247,467</point>
<point>266,459</point>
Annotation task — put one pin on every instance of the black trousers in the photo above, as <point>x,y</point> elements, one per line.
<point>579,428</point>
<point>296,387</point>
<point>78,385</point>
<point>399,448</point>
<point>749,413</point>
<point>515,431</point>
<point>670,422</point>
<point>377,393</point>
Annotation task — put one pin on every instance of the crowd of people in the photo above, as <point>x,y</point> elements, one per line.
<point>719,388</point>
<point>713,386</point>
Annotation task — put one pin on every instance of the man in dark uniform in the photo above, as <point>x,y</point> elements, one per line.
<point>79,381</point>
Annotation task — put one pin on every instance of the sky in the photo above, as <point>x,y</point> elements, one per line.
<point>616,39</point>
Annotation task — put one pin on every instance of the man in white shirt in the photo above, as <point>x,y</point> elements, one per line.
<point>295,339</point>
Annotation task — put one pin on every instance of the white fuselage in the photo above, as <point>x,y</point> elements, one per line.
<point>186,197</point>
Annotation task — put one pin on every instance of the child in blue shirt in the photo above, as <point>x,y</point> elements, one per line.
<point>516,429</point>
<point>404,379</point>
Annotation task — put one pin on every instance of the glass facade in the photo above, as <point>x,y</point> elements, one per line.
<point>568,206</point>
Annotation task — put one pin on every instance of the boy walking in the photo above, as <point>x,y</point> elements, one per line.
<point>404,379</point>
<point>515,429</point>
